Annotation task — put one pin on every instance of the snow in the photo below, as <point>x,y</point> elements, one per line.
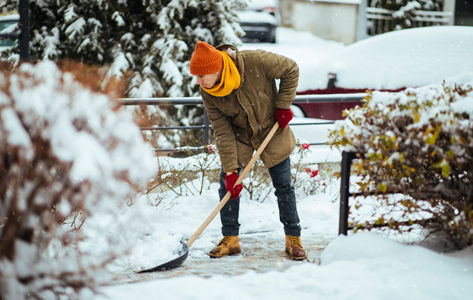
<point>76,26</point>
<point>49,121</point>
<point>362,265</point>
<point>407,58</point>
<point>249,16</point>
<point>348,270</point>
<point>308,50</point>
<point>413,57</point>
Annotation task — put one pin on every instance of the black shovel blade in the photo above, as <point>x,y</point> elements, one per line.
<point>182,256</point>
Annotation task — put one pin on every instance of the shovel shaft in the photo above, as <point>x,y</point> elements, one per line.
<point>227,196</point>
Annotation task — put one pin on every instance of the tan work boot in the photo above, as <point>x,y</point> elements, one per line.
<point>228,245</point>
<point>294,248</point>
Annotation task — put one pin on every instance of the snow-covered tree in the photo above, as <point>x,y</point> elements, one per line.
<point>67,154</point>
<point>148,42</point>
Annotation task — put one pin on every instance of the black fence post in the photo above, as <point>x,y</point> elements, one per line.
<point>24,40</point>
<point>347,159</point>
<point>206,128</point>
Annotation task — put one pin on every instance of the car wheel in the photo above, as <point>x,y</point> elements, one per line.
<point>297,111</point>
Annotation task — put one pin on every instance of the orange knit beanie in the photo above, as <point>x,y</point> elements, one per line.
<point>205,60</point>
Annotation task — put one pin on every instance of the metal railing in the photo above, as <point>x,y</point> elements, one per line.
<point>347,157</point>
<point>23,36</point>
<point>206,127</point>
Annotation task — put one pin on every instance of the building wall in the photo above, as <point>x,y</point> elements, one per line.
<point>7,10</point>
<point>345,20</point>
<point>328,19</point>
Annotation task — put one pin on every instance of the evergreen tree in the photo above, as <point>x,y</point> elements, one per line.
<point>148,42</point>
<point>151,39</point>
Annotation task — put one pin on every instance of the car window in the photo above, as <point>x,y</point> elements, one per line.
<point>3,26</point>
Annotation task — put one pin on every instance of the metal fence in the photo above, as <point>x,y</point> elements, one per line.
<point>206,127</point>
<point>380,20</point>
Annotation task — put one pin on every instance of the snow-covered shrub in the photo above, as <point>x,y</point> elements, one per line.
<point>257,184</point>
<point>187,176</point>
<point>193,174</point>
<point>418,143</point>
<point>306,177</point>
<point>66,154</point>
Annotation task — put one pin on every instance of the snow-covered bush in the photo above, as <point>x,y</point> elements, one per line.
<point>306,177</point>
<point>195,174</point>
<point>418,143</point>
<point>187,176</point>
<point>66,154</point>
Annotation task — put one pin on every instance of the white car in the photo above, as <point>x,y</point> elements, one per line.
<point>259,21</point>
<point>8,25</point>
<point>392,62</point>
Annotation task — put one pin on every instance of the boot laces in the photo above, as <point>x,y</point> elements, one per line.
<point>225,241</point>
<point>295,240</point>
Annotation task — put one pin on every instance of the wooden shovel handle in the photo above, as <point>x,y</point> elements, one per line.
<point>243,174</point>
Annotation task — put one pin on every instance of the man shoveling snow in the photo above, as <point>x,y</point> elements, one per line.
<point>242,101</point>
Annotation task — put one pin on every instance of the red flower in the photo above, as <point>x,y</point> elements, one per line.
<point>305,146</point>
<point>314,173</point>
<point>308,170</point>
<point>324,184</point>
<point>210,149</point>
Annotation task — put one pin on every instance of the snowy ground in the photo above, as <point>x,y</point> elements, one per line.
<point>362,265</point>
<point>359,266</point>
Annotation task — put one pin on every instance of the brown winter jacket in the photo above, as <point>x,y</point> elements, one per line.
<point>242,119</point>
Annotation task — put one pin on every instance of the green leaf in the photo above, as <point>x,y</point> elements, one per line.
<point>432,138</point>
<point>445,169</point>
<point>382,187</point>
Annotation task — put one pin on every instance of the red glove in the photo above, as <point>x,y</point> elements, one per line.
<point>229,185</point>
<point>283,116</point>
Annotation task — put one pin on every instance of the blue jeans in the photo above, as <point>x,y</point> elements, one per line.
<point>281,177</point>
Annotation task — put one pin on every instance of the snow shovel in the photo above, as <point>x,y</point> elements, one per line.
<point>182,253</point>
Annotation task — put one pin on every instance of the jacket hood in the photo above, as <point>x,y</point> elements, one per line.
<point>231,50</point>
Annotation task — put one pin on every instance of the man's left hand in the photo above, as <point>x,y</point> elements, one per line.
<point>283,116</point>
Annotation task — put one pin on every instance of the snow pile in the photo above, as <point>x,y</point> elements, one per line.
<point>406,58</point>
<point>361,266</point>
<point>307,50</point>
<point>67,155</point>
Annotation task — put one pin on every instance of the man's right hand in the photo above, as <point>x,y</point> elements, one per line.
<point>230,180</point>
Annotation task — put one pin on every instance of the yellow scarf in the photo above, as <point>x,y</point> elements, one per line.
<point>230,78</point>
